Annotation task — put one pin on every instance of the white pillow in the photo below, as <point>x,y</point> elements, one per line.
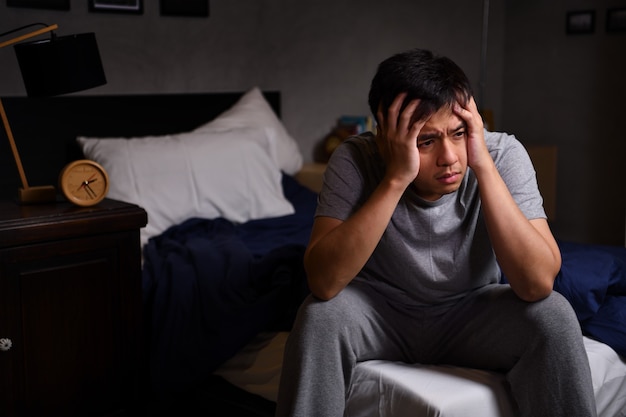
<point>176,177</point>
<point>252,110</point>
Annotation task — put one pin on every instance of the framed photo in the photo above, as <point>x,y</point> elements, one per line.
<point>616,20</point>
<point>41,4</point>
<point>580,22</point>
<point>192,8</point>
<point>116,6</point>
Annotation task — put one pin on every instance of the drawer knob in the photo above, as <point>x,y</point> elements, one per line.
<point>5,344</point>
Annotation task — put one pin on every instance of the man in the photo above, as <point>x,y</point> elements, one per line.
<point>413,229</point>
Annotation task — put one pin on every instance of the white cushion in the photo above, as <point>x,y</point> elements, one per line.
<point>225,174</point>
<point>252,110</point>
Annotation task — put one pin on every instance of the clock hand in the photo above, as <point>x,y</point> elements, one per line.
<point>87,182</point>
<point>91,192</point>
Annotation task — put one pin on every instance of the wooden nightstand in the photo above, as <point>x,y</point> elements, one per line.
<point>311,175</point>
<point>70,304</point>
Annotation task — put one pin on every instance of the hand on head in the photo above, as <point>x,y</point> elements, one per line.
<point>396,138</point>
<point>477,152</point>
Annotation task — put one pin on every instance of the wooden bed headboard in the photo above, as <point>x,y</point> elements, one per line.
<point>45,129</point>
<point>544,159</point>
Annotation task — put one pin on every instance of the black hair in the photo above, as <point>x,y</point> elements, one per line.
<point>436,80</point>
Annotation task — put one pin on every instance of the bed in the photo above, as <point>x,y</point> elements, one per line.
<point>230,205</point>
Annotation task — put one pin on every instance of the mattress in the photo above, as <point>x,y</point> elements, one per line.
<point>383,388</point>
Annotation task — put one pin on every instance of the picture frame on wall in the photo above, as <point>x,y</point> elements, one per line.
<point>40,4</point>
<point>116,6</point>
<point>580,22</point>
<point>189,8</point>
<point>616,20</point>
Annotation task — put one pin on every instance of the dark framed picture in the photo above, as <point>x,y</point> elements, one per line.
<point>616,20</point>
<point>116,6</point>
<point>41,4</point>
<point>580,22</point>
<point>192,8</point>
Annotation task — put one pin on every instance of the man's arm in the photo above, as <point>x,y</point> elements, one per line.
<point>526,250</point>
<point>338,250</point>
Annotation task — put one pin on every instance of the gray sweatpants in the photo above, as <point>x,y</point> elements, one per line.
<point>538,345</point>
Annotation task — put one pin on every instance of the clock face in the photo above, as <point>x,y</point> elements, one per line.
<point>84,182</point>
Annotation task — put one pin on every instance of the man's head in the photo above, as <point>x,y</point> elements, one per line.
<point>437,81</point>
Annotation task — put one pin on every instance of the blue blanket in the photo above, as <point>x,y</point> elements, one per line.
<point>210,286</point>
<point>593,279</point>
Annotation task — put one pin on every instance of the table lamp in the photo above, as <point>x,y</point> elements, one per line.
<point>59,65</point>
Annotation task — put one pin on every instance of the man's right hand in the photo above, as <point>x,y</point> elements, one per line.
<point>396,138</point>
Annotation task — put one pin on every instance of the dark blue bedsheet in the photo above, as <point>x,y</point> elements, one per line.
<point>593,279</point>
<point>210,286</point>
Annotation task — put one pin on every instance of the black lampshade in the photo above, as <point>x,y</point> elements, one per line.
<point>61,65</point>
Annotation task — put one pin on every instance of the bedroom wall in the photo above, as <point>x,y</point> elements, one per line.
<point>321,54</point>
<point>569,91</point>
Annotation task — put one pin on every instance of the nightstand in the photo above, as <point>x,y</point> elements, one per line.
<point>311,175</point>
<point>70,305</point>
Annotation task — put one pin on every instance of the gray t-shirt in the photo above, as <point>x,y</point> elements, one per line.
<point>432,251</point>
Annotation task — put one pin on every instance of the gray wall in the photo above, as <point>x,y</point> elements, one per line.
<point>569,91</point>
<point>321,54</point>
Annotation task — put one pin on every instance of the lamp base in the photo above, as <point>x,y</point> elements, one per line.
<point>39,194</point>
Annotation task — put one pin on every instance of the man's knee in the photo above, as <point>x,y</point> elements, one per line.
<point>554,316</point>
<point>327,317</point>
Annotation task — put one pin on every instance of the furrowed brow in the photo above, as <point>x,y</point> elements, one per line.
<point>461,126</point>
<point>428,136</point>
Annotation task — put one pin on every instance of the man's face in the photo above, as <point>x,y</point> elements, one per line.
<point>442,145</point>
